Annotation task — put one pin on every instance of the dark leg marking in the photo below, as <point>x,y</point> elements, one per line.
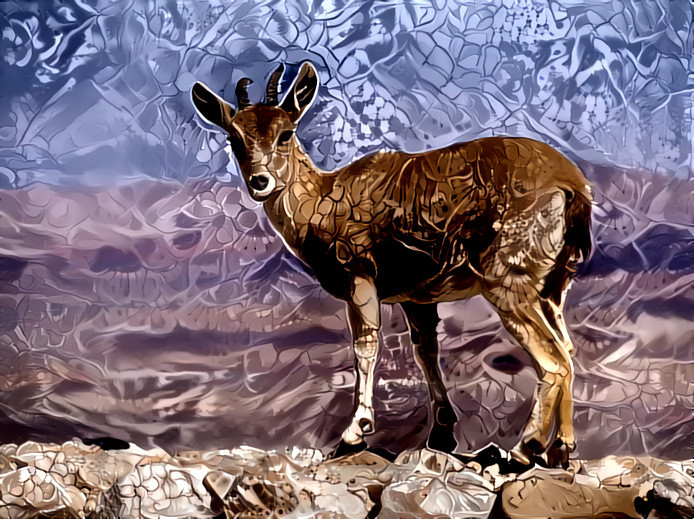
<point>423,320</point>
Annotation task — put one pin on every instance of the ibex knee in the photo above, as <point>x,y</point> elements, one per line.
<point>366,347</point>
<point>556,370</point>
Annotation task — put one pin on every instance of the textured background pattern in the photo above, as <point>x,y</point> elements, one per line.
<point>97,89</point>
<point>144,296</point>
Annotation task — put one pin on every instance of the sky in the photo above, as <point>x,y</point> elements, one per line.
<point>96,92</point>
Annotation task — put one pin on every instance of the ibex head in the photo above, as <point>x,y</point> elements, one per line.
<point>262,135</point>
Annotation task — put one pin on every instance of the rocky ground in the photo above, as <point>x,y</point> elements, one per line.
<point>79,480</point>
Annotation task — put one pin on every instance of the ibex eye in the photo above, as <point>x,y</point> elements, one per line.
<point>285,137</point>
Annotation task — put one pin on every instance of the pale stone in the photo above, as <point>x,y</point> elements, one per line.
<point>76,480</point>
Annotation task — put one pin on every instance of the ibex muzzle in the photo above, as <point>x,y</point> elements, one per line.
<point>507,218</point>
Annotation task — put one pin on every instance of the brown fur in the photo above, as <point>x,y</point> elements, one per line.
<point>504,217</point>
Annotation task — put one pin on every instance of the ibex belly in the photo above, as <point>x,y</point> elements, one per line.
<point>408,273</point>
<point>458,284</point>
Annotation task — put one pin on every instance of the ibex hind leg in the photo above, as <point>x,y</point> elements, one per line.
<point>515,268</point>
<point>565,431</point>
<point>550,425</point>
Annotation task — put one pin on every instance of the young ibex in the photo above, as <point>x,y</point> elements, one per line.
<point>507,218</point>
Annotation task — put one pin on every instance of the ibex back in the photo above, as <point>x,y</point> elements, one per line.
<point>507,218</point>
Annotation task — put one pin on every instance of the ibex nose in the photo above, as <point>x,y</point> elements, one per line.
<point>261,185</point>
<point>258,182</point>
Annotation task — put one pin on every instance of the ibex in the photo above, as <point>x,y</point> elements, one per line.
<point>507,218</point>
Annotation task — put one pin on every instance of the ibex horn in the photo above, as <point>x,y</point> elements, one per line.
<point>272,84</point>
<point>241,92</point>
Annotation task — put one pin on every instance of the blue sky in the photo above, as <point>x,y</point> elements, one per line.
<point>98,92</point>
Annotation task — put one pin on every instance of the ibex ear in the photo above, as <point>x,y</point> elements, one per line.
<point>302,93</point>
<point>211,107</point>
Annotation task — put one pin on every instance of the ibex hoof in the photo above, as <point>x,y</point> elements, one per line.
<point>521,455</point>
<point>557,457</point>
<point>569,444</point>
<point>366,426</point>
<point>356,431</point>
<point>343,449</point>
<point>441,439</point>
<point>519,461</point>
<point>445,417</point>
<point>558,454</point>
<point>527,452</point>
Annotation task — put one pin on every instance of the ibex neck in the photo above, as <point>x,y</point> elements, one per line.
<point>291,211</point>
<point>306,172</point>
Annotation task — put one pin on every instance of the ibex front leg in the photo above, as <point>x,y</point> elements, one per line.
<point>365,321</point>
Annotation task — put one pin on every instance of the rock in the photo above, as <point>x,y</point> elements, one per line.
<point>613,485</point>
<point>32,489</point>
<point>432,497</point>
<point>435,484</point>
<point>74,479</point>
<point>219,483</point>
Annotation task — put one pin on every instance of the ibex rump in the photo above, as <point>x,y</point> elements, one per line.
<point>507,218</point>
